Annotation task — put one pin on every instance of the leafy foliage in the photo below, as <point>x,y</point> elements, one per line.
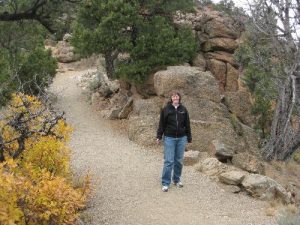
<point>142,29</point>
<point>27,198</point>
<point>158,45</point>
<point>35,187</point>
<point>256,55</point>
<point>205,2</point>
<point>30,72</point>
<point>15,42</point>
<point>37,71</point>
<point>52,15</point>
<point>24,26</point>
<point>25,121</point>
<point>226,6</point>
<point>5,72</point>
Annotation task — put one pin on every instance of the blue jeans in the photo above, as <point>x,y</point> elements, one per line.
<point>173,159</point>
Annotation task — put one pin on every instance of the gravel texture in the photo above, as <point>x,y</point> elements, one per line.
<point>126,177</point>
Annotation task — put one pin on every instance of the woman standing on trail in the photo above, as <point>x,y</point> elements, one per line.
<point>174,125</point>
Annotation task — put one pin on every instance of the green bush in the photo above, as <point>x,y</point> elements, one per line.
<point>205,2</point>
<point>296,156</point>
<point>5,85</point>
<point>142,29</point>
<point>259,79</point>
<point>37,71</point>
<point>32,73</point>
<point>158,46</point>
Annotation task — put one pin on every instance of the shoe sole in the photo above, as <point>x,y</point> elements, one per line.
<point>165,190</point>
<point>177,185</point>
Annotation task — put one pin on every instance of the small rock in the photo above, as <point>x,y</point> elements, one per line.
<point>222,152</point>
<point>232,177</point>
<point>114,114</point>
<point>211,166</point>
<point>126,109</point>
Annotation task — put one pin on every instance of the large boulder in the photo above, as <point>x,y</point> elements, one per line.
<point>218,69</point>
<point>142,129</point>
<point>265,188</point>
<point>211,166</point>
<point>220,44</point>
<point>221,27</point>
<point>248,162</point>
<point>232,78</point>
<point>210,120</point>
<point>205,132</point>
<point>143,122</point>
<point>126,109</point>
<point>221,151</point>
<point>200,62</point>
<point>188,80</point>
<point>232,177</point>
<point>148,107</point>
<point>222,56</point>
<point>120,107</point>
<point>240,105</point>
<point>204,110</point>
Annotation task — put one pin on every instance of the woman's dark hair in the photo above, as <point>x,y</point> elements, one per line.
<point>174,92</point>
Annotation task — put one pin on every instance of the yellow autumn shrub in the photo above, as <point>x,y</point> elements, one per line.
<point>35,180</point>
<point>47,153</point>
<point>53,200</point>
<point>47,199</point>
<point>11,193</point>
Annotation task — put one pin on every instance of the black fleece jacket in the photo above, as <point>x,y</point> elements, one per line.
<point>174,122</point>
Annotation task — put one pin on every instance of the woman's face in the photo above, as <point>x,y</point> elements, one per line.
<point>175,99</point>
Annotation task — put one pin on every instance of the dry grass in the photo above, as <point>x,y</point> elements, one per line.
<point>287,174</point>
<point>274,206</point>
<point>289,218</point>
<point>285,212</point>
<point>296,156</point>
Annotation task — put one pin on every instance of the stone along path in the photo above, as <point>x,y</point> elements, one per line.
<point>126,177</point>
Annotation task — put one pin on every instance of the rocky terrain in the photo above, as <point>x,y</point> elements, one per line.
<point>225,147</point>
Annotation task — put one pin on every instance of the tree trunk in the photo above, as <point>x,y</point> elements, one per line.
<point>284,139</point>
<point>109,63</point>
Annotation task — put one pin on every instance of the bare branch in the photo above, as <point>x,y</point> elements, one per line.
<point>2,158</point>
<point>34,12</point>
<point>24,122</point>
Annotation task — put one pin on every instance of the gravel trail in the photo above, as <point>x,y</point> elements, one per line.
<point>126,176</point>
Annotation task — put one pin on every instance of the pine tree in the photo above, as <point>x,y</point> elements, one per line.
<point>25,65</point>
<point>143,30</point>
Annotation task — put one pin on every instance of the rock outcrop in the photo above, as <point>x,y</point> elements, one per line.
<point>210,119</point>
<point>265,188</point>
<point>218,37</point>
<point>219,109</point>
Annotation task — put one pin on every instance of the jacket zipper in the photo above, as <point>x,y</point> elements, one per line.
<point>176,122</point>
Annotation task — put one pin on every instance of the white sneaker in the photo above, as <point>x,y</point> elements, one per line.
<point>178,184</point>
<point>165,188</point>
